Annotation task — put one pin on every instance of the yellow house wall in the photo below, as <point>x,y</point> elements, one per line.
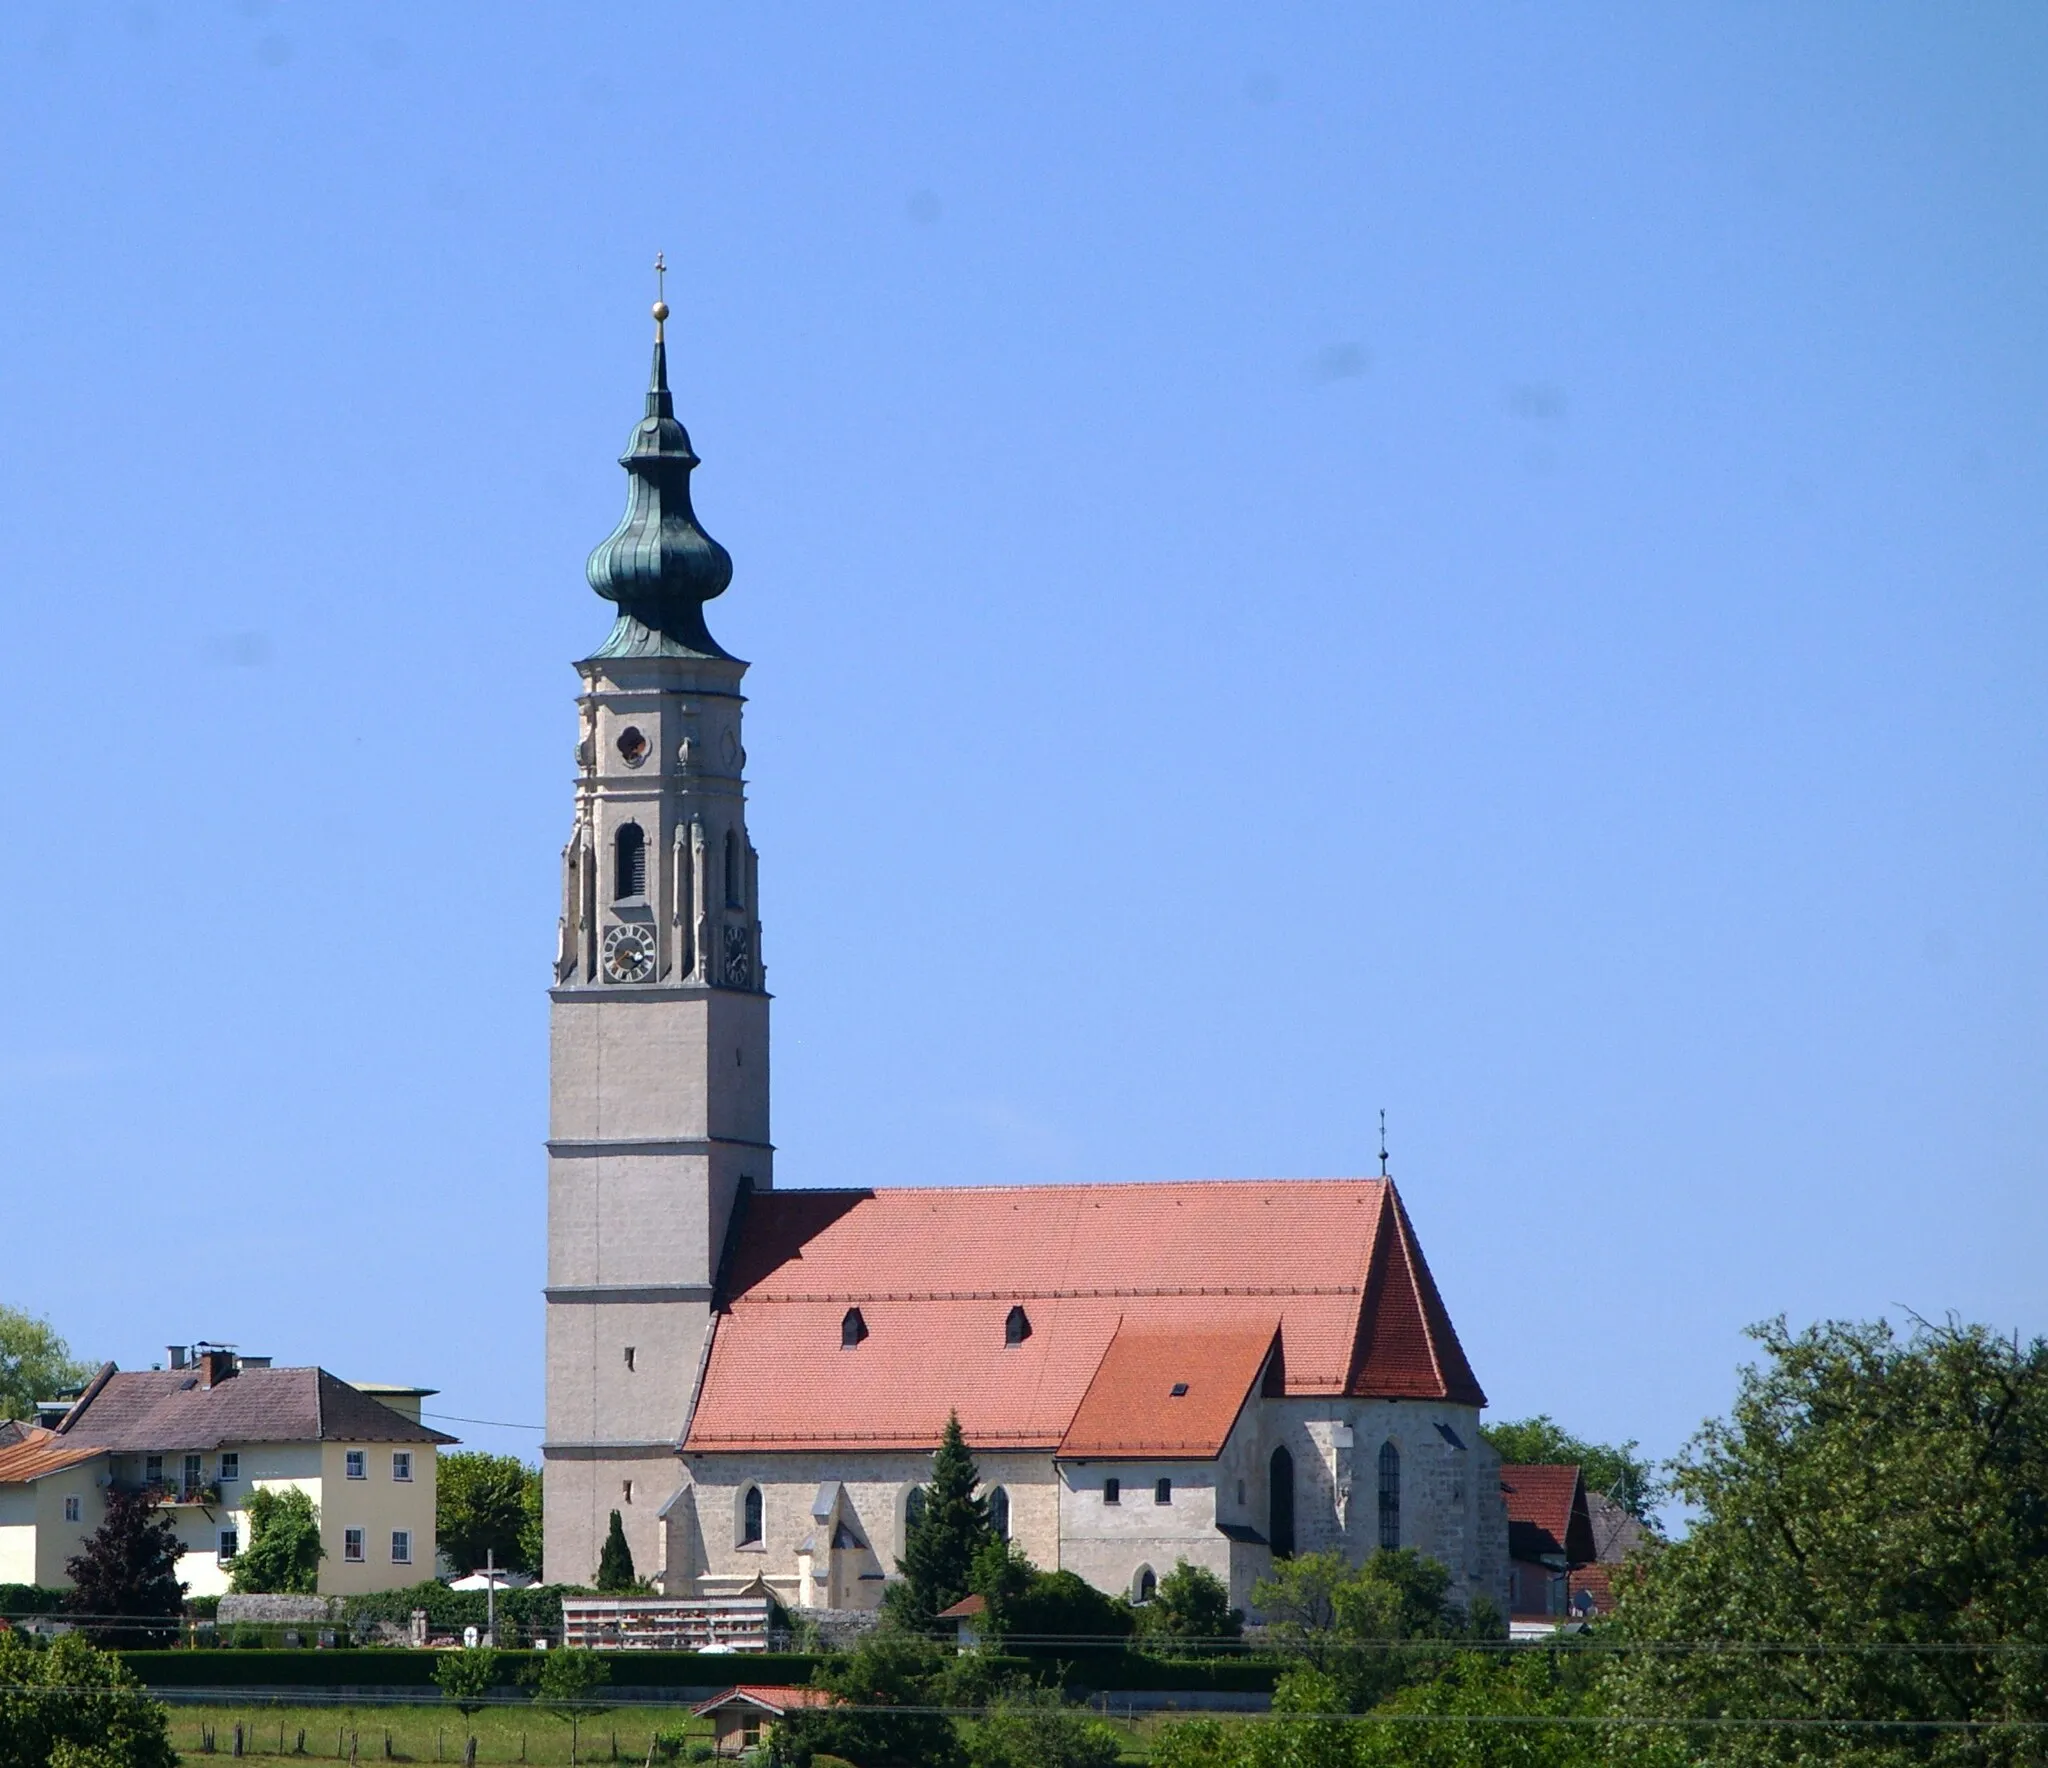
<point>376,1504</point>
<point>35,1540</point>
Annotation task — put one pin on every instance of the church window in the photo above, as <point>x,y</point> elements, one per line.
<point>734,898</point>
<point>1017,1328</point>
<point>852,1329</point>
<point>913,1509</point>
<point>1162,1491</point>
<point>1145,1585</point>
<point>750,1517</point>
<point>999,1513</point>
<point>1280,1503</point>
<point>632,746</point>
<point>1112,1491</point>
<point>629,862</point>
<point>1390,1495</point>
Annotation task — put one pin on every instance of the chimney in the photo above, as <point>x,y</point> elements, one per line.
<point>215,1366</point>
<point>178,1356</point>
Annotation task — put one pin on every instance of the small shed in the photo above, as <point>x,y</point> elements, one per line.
<point>739,1715</point>
<point>969,1615</point>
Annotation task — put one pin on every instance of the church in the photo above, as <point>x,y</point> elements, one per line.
<point>1222,1371</point>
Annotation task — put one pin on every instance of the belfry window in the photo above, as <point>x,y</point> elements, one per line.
<point>999,1514</point>
<point>1017,1328</point>
<point>735,897</point>
<point>1390,1495</point>
<point>852,1329</point>
<point>629,862</point>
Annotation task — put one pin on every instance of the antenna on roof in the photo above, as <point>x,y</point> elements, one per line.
<point>1383,1143</point>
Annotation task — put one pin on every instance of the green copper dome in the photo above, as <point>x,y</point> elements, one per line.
<point>659,565</point>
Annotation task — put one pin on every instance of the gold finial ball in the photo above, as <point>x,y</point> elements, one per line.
<point>660,311</point>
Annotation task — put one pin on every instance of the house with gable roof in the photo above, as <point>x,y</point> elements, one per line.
<point>753,1380</point>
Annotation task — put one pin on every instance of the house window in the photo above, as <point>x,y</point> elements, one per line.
<point>230,1466</point>
<point>1112,1491</point>
<point>999,1513</point>
<point>852,1329</point>
<point>356,1463</point>
<point>1280,1503</point>
<point>1017,1328</point>
<point>1162,1491</point>
<point>401,1464</point>
<point>352,1546</point>
<point>193,1464</point>
<point>1145,1585</point>
<point>750,1517</point>
<point>401,1547</point>
<point>1390,1495</point>
<point>74,1510</point>
<point>152,1470</point>
<point>629,862</point>
<point>229,1545</point>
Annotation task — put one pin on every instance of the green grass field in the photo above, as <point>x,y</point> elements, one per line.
<point>513,1733</point>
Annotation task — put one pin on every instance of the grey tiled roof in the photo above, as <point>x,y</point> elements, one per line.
<point>167,1411</point>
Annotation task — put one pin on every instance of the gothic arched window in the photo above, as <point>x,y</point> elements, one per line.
<point>999,1513</point>
<point>750,1517</point>
<point>629,862</point>
<point>913,1509</point>
<point>1390,1495</point>
<point>1280,1503</point>
<point>735,897</point>
<point>1017,1328</point>
<point>1145,1585</point>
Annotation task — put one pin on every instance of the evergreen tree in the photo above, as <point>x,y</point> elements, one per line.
<point>615,1563</point>
<point>129,1569</point>
<point>938,1556</point>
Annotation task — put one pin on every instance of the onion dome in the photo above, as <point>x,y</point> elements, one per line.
<point>659,565</point>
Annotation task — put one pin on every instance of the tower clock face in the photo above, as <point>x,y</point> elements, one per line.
<point>629,953</point>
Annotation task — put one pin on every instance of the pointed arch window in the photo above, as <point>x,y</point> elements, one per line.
<point>751,1528</point>
<point>1145,1585</point>
<point>629,862</point>
<point>999,1513</point>
<point>852,1329</point>
<point>1280,1503</point>
<point>1390,1495</point>
<point>1017,1328</point>
<point>735,894</point>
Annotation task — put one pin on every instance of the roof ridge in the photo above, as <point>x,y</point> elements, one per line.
<point>1065,1186</point>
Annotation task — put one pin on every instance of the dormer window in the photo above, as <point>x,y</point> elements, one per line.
<point>1180,1390</point>
<point>1017,1328</point>
<point>852,1329</point>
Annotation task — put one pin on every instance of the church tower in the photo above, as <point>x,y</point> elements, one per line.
<point>658,1116</point>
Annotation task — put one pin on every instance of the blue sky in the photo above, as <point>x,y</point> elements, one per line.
<point>1480,560</point>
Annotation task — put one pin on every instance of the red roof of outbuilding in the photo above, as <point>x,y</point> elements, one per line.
<point>770,1697</point>
<point>1331,1263</point>
<point>1547,1511</point>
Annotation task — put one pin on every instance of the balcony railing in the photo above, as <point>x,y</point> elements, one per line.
<point>170,1491</point>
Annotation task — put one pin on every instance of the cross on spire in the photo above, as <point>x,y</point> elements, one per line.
<point>660,293</point>
<point>1383,1144</point>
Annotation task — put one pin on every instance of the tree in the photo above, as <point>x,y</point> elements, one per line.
<point>481,1507</point>
<point>938,1554</point>
<point>565,1684</point>
<point>283,1553</point>
<point>1883,1502</point>
<point>35,1364</point>
<point>1610,1468</point>
<point>67,1703</point>
<point>129,1569</point>
<point>1037,1729</point>
<point>885,1688</point>
<point>615,1560</point>
<point>1191,1604</point>
<point>466,1679</point>
<point>1029,1605</point>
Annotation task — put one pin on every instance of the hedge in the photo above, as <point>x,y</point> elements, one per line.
<point>30,1599</point>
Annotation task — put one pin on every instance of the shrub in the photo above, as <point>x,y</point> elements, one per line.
<point>69,1703</point>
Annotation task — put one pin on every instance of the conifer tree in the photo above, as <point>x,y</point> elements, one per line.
<point>615,1563</point>
<point>938,1554</point>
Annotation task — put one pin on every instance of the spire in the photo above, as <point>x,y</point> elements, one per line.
<point>658,564</point>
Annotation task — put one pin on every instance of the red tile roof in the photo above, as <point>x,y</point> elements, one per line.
<point>1332,1263</point>
<point>38,1452</point>
<point>1168,1394</point>
<point>776,1698</point>
<point>1547,1512</point>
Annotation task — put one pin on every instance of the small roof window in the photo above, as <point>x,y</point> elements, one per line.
<point>852,1329</point>
<point>1017,1328</point>
<point>1180,1390</point>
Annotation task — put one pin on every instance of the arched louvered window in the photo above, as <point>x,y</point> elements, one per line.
<point>629,862</point>
<point>735,895</point>
<point>1280,1503</point>
<point>1145,1585</point>
<point>1017,1328</point>
<point>750,1517</point>
<point>1390,1495</point>
<point>852,1329</point>
<point>999,1513</point>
